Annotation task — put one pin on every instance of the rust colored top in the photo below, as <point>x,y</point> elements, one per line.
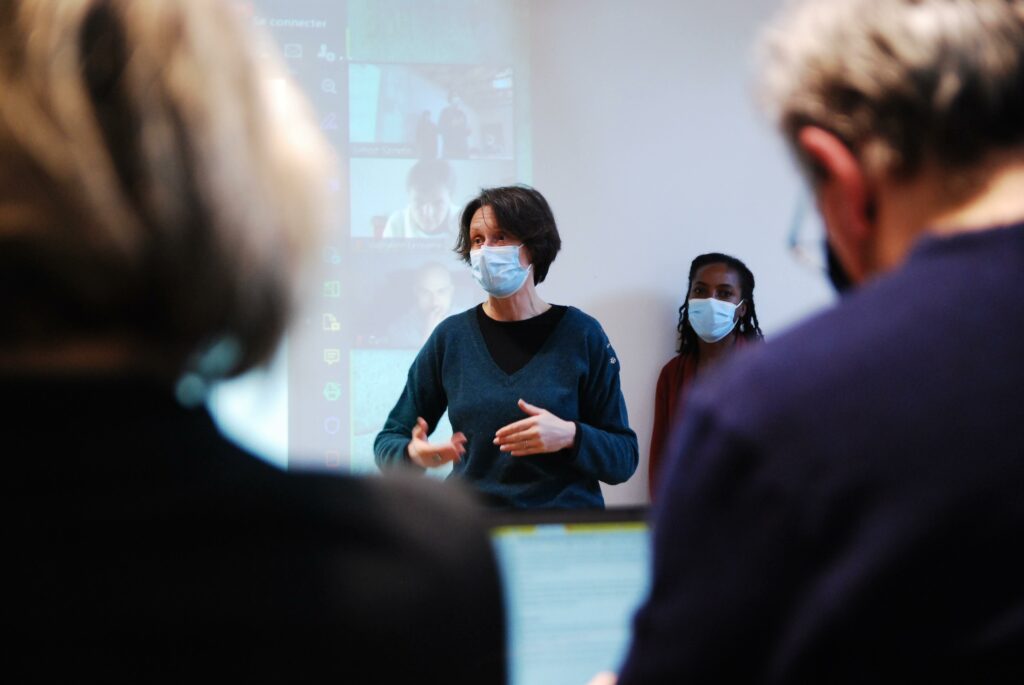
<point>674,383</point>
<point>669,399</point>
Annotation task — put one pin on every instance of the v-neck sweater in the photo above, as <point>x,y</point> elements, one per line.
<point>574,375</point>
<point>513,344</point>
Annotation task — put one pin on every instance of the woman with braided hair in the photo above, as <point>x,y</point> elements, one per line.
<point>717,317</point>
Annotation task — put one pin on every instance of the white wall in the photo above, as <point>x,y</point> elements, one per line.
<point>651,150</point>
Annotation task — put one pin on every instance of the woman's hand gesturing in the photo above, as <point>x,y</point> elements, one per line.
<point>542,432</point>
<point>431,455</point>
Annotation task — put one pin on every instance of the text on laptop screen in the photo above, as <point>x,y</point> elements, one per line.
<point>571,591</point>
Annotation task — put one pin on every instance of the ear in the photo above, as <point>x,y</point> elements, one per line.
<point>844,196</point>
<point>741,311</point>
<point>525,256</point>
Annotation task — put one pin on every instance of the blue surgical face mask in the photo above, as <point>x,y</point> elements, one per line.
<point>712,319</point>
<point>497,269</point>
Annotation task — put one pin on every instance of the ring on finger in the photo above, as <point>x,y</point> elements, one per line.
<point>437,458</point>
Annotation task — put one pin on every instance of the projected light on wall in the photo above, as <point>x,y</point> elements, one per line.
<point>421,102</point>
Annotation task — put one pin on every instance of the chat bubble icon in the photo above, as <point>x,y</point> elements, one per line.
<point>332,356</point>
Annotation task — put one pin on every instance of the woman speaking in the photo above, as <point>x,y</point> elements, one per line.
<point>532,389</point>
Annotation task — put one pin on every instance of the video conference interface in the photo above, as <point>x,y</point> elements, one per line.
<point>424,103</point>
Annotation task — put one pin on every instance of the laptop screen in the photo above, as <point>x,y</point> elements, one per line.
<point>572,582</point>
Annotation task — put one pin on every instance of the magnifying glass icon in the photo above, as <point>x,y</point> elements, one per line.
<point>328,86</point>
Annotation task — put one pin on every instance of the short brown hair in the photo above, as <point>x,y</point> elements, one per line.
<point>155,184</point>
<point>901,82</point>
<point>523,212</point>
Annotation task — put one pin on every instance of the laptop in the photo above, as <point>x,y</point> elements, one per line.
<point>572,582</point>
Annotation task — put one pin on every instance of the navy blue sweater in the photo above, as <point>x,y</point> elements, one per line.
<point>575,376</point>
<point>845,504</point>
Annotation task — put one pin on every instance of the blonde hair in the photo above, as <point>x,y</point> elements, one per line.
<point>901,82</point>
<point>160,178</point>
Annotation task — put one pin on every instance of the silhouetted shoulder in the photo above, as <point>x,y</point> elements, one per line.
<point>162,550</point>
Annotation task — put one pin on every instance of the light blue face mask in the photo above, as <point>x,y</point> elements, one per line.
<point>712,319</point>
<point>498,271</point>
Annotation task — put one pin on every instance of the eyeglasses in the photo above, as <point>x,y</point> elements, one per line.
<point>806,237</point>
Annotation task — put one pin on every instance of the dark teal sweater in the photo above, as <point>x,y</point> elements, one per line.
<point>575,376</point>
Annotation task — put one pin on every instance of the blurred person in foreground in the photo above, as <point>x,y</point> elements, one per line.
<point>159,190</point>
<point>846,505</point>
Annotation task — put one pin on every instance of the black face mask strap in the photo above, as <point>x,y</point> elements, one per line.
<point>836,273</point>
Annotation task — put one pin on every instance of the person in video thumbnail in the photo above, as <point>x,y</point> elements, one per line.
<point>426,136</point>
<point>432,293</point>
<point>430,213</point>
<point>717,317</point>
<point>453,124</point>
<point>532,389</point>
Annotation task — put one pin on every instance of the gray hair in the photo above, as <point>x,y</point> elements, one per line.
<point>161,181</point>
<point>901,82</point>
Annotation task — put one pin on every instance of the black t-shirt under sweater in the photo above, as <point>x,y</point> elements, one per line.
<point>513,344</point>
